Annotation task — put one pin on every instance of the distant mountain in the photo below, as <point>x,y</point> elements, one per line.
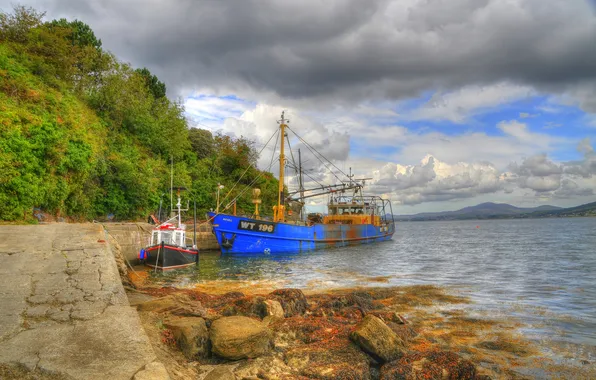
<point>490,210</point>
<point>588,209</point>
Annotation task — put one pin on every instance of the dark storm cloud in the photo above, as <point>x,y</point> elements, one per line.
<point>349,49</point>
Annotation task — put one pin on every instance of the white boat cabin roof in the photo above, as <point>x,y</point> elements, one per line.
<point>169,234</point>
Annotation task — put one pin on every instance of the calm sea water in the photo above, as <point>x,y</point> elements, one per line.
<point>542,271</point>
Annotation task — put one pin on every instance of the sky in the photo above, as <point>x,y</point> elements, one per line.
<point>441,104</point>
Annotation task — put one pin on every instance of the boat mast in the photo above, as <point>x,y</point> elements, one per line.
<point>179,204</point>
<point>279,210</point>
<point>301,185</point>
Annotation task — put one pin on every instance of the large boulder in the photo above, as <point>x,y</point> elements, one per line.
<point>239,337</point>
<point>378,340</point>
<point>176,304</point>
<point>293,301</point>
<point>430,365</point>
<point>191,334</point>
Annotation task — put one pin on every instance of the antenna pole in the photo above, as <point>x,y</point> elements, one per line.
<point>179,211</point>
<point>194,237</point>
<point>171,184</point>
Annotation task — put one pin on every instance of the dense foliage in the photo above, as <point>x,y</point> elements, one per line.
<point>84,135</point>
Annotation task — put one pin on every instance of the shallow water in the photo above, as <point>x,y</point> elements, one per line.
<point>541,271</point>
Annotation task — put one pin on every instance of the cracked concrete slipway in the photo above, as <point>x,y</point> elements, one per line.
<point>62,305</point>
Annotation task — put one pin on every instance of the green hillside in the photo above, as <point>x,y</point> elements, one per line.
<point>84,135</point>
<point>588,209</point>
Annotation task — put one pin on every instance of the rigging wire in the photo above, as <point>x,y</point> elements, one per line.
<point>310,146</point>
<point>248,167</point>
<point>316,153</point>
<point>274,148</point>
<point>318,183</point>
<point>248,186</point>
<point>292,155</point>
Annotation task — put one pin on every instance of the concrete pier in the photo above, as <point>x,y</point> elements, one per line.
<point>63,309</point>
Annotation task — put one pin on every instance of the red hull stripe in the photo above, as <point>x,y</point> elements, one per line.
<point>156,247</point>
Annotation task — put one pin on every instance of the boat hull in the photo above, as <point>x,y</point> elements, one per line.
<point>244,235</point>
<point>168,257</point>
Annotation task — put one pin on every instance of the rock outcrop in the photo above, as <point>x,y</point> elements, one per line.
<point>292,301</point>
<point>378,340</point>
<point>239,337</point>
<point>191,335</point>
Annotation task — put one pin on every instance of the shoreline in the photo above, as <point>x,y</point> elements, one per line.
<point>438,330</point>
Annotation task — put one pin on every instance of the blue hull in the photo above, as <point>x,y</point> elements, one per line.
<point>244,235</point>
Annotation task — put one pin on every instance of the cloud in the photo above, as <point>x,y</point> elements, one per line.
<point>537,166</point>
<point>570,189</point>
<point>537,173</point>
<point>458,105</point>
<point>585,168</point>
<point>210,110</point>
<point>526,115</point>
<point>433,180</point>
<point>345,50</point>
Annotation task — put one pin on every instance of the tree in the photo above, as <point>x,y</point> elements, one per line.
<point>81,34</point>
<point>202,143</point>
<point>15,27</point>
<point>157,88</point>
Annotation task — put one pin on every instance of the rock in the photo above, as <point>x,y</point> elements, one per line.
<point>292,301</point>
<point>247,306</point>
<point>152,371</point>
<point>273,308</point>
<point>271,319</point>
<point>378,340</point>
<point>265,367</point>
<point>404,332</point>
<point>178,304</point>
<point>239,337</point>
<point>220,373</point>
<point>323,362</point>
<point>429,365</point>
<point>191,335</point>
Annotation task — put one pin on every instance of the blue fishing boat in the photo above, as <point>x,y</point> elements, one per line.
<point>352,218</point>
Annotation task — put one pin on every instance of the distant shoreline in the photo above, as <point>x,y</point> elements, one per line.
<point>489,211</point>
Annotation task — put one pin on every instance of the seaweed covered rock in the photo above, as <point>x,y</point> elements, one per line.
<point>329,361</point>
<point>292,301</point>
<point>239,337</point>
<point>430,365</point>
<point>191,335</point>
<point>378,340</point>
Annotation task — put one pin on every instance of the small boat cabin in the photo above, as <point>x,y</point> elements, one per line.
<point>169,234</point>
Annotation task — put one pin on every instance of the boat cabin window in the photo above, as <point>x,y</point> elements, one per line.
<point>352,210</point>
